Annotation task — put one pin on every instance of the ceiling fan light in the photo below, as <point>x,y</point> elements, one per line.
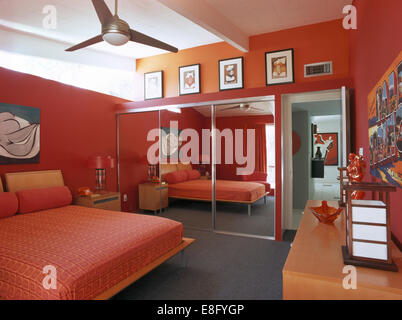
<point>115,38</point>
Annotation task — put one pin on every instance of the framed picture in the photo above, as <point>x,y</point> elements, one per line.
<point>279,67</point>
<point>19,134</point>
<point>189,80</point>
<point>328,146</point>
<point>231,74</point>
<point>153,85</point>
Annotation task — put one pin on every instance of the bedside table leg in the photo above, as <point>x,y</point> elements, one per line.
<point>249,210</point>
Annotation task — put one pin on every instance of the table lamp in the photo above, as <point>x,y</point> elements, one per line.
<point>100,164</point>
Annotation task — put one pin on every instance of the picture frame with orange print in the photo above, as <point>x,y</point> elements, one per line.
<point>190,79</point>
<point>279,67</point>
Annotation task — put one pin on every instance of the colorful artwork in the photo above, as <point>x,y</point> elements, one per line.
<point>19,134</point>
<point>385,125</point>
<point>328,144</point>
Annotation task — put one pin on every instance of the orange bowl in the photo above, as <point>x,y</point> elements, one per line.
<point>326,214</point>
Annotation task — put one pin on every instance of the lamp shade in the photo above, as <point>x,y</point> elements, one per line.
<point>100,162</point>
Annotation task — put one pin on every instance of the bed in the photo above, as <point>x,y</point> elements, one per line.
<point>96,253</point>
<point>242,192</point>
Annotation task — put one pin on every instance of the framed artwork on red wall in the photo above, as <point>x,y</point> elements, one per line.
<point>19,134</point>
<point>385,125</point>
<point>329,146</point>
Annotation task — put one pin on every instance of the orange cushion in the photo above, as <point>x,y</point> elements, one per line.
<point>176,177</point>
<point>193,174</point>
<point>8,204</point>
<point>43,199</point>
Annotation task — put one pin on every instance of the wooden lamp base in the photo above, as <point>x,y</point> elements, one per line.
<point>348,260</point>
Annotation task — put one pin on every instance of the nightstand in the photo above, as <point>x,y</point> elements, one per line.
<point>150,195</point>
<point>108,201</point>
<point>205,178</point>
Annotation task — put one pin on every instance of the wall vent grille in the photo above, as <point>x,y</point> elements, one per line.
<point>318,69</point>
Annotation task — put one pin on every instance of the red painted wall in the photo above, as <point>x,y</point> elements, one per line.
<point>228,171</point>
<point>373,47</point>
<point>75,124</point>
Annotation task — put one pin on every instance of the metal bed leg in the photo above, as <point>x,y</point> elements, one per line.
<point>265,200</point>
<point>249,210</point>
<point>183,260</point>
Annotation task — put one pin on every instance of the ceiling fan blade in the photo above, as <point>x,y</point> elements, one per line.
<point>102,11</point>
<point>86,43</point>
<point>231,108</point>
<point>254,108</point>
<point>144,39</point>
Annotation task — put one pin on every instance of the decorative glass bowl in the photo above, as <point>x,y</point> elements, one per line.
<point>326,214</point>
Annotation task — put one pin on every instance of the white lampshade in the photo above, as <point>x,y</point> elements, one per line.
<point>115,39</point>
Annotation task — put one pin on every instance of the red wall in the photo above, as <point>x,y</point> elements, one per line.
<point>75,124</point>
<point>228,171</point>
<point>373,47</point>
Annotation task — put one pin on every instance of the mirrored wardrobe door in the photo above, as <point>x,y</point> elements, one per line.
<point>139,193</point>
<point>244,203</point>
<point>186,182</point>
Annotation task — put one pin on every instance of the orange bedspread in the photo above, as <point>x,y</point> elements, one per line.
<point>91,249</point>
<point>225,190</point>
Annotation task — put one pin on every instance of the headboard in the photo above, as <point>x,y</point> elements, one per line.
<point>168,167</point>
<point>33,180</point>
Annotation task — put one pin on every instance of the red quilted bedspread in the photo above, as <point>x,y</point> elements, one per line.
<point>91,249</point>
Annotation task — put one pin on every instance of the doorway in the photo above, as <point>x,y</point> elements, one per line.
<point>315,142</point>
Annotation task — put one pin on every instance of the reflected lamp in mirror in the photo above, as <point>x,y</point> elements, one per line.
<point>100,164</point>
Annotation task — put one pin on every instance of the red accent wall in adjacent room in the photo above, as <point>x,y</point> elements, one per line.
<point>373,47</point>
<point>75,124</point>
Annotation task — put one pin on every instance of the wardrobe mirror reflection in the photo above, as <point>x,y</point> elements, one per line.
<point>211,167</point>
<point>185,168</point>
<point>244,157</point>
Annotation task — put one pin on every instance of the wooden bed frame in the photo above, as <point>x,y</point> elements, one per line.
<point>45,179</point>
<point>167,168</point>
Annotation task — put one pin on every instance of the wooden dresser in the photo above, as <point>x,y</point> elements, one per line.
<point>108,201</point>
<point>314,267</point>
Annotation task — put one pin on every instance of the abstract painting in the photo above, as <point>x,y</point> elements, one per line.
<point>19,134</point>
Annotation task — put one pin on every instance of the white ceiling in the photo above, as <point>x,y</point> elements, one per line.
<point>77,20</point>
<point>255,17</point>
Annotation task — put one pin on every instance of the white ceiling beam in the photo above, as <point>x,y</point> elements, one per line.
<point>201,13</point>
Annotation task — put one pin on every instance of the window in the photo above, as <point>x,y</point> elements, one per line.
<point>113,82</point>
<point>270,133</point>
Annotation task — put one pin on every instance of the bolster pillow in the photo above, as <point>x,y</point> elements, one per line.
<point>193,174</point>
<point>176,177</point>
<point>43,199</point>
<point>8,204</point>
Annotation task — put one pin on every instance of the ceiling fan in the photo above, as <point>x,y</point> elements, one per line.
<point>243,107</point>
<point>117,32</point>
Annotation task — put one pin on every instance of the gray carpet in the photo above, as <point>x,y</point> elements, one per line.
<point>232,217</point>
<point>219,267</point>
